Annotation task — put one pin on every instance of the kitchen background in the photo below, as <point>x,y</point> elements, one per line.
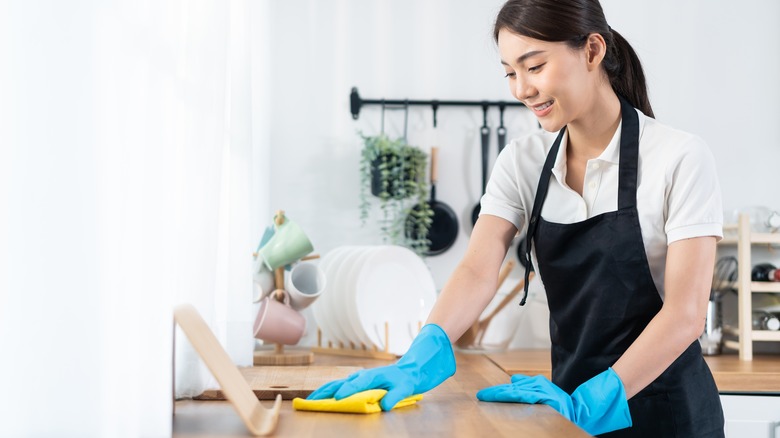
<point>712,69</point>
<point>145,146</point>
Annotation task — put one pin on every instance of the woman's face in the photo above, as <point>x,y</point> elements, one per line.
<point>550,78</point>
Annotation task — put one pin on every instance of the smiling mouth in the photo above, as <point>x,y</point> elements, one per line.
<point>543,106</point>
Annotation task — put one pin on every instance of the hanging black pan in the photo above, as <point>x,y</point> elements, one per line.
<point>444,227</point>
<point>484,132</point>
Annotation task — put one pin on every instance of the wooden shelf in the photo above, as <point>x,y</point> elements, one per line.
<point>765,286</point>
<point>766,335</point>
<point>746,240</point>
<point>767,238</point>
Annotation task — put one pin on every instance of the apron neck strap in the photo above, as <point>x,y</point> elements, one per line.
<point>629,155</point>
<point>627,177</point>
<point>541,193</point>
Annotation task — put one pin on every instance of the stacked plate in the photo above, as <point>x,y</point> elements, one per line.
<point>371,288</point>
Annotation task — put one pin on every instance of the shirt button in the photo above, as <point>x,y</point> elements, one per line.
<point>592,185</point>
<point>594,166</point>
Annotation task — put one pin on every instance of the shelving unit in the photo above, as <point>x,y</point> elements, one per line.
<point>746,288</point>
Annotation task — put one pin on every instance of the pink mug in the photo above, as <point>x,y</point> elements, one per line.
<point>278,323</point>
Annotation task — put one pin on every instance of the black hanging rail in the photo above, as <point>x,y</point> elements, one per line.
<point>356,102</point>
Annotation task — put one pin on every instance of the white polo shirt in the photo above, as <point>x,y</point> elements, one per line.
<point>678,194</point>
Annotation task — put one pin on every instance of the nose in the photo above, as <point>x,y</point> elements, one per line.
<point>524,90</point>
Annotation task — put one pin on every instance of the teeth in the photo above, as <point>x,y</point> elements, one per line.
<point>543,106</point>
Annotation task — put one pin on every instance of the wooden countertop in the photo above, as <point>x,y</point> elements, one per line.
<point>450,410</point>
<point>761,375</point>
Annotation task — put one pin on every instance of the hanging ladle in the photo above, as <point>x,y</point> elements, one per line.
<point>484,132</point>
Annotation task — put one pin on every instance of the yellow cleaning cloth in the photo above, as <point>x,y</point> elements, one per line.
<point>366,402</point>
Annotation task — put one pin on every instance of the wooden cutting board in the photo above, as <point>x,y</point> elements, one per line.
<point>290,381</point>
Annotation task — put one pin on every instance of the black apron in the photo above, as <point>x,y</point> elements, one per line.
<point>601,296</point>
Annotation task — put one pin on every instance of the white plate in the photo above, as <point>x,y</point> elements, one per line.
<point>318,307</point>
<point>347,279</point>
<point>330,309</point>
<point>396,287</point>
<point>349,308</point>
<point>334,307</point>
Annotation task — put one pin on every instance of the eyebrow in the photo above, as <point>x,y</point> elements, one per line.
<point>525,56</point>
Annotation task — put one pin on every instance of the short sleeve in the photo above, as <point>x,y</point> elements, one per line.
<point>694,204</point>
<point>502,196</point>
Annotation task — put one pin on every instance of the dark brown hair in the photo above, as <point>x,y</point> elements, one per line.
<point>571,21</point>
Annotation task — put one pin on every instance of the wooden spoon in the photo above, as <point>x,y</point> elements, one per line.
<point>467,339</point>
<point>259,420</point>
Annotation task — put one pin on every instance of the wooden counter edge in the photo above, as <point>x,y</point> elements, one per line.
<point>760,376</point>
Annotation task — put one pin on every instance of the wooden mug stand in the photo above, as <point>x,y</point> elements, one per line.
<point>279,356</point>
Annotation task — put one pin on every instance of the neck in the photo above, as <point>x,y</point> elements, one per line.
<point>590,133</point>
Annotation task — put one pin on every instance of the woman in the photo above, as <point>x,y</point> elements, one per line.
<point>622,216</point>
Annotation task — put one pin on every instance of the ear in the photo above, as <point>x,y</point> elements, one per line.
<point>595,50</point>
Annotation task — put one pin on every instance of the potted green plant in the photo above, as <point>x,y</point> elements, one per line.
<point>394,172</point>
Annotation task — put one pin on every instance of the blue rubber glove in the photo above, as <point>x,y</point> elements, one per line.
<point>598,405</point>
<point>428,362</point>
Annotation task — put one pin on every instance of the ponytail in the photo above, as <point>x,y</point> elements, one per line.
<point>625,73</point>
<point>569,21</point>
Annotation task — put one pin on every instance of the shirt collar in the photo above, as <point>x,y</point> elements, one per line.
<point>610,155</point>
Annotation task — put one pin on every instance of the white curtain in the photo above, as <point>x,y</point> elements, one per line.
<point>127,187</point>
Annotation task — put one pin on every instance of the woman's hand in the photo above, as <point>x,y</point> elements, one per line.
<point>428,363</point>
<point>598,405</point>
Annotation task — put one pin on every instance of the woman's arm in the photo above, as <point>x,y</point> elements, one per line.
<point>473,283</point>
<point>689,266</point>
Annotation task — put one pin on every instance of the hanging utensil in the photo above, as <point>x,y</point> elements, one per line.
<point>406,120</point>
<point>443,230</point>
<point>485,133</point>
<point>501,131</point>
<point>404,107</point>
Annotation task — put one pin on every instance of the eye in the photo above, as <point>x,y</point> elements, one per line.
<point>536,67</point>
<point>509,75</point>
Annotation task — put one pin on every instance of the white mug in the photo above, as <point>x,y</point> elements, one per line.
<point>304,283</point>
<point>263,281</point>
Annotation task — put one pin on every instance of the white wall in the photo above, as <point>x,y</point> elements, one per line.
<point>712,68</point>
